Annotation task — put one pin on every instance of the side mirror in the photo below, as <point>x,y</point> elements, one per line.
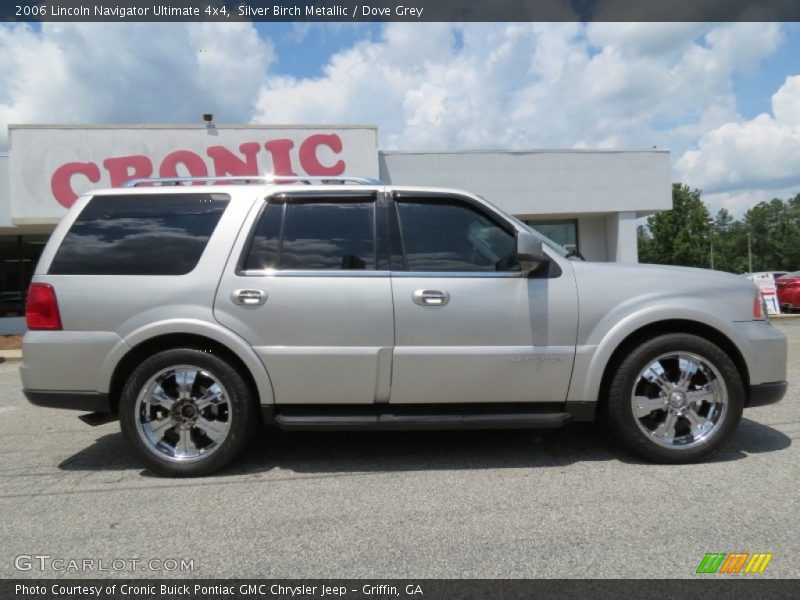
<point>530,254</point>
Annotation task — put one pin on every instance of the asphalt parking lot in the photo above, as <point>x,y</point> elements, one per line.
<point>562,503</point>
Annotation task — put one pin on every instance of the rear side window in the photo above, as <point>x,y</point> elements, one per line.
<point>152,234</point>
<point>314,234</point>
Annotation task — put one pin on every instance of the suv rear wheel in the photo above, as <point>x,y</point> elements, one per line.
<point>676,398</point>
<point>187,412</point>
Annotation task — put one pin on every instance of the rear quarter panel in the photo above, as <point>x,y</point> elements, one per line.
<point>103,316</point>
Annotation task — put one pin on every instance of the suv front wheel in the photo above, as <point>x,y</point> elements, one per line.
<point>676,398</point>
<point>187,412</point>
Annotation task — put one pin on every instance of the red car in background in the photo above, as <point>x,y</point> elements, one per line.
<point>788,288</point>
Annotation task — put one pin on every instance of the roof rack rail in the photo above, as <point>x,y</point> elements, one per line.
<point>277,179</point>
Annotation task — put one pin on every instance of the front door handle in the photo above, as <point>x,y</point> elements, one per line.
<point>430,297</point>
<point>249,297</point>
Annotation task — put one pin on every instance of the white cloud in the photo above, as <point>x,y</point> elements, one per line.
<point>760,152</point>
<point>129,72</point>
<point>434,85</point>
<point>739,202</point>
<point>786,102</point>
<point>652,40</point>
<point>530,85</point>
<point>426,85</point>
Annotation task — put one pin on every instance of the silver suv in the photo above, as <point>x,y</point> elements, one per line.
<point>194,310</point>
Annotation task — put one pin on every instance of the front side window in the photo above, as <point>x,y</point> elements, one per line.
<point>314,234</point>
<point>139,234</point>
<point>443,234</point>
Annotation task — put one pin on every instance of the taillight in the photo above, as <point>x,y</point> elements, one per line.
<point>759,311</point>
<point>41,307</point>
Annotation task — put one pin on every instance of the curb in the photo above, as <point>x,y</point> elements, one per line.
<point>10,355</point>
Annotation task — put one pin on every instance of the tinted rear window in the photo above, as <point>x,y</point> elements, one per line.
<point>152,234</point>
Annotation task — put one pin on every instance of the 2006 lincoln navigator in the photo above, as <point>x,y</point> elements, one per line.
<point>196,312</point>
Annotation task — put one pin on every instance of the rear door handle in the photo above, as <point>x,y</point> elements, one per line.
<point>249,297</point>
<point>430,297</point>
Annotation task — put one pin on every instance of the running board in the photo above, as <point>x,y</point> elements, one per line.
<point>400,422</point>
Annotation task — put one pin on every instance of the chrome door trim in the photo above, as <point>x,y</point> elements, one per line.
<point>373,273</point>
<point>313,273</point>
<point>460,274</point>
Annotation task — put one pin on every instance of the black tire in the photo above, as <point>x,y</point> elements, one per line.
<point>241,416</point>
<point>620,400</point>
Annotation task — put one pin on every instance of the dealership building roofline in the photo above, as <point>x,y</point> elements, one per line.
<point>188,126</point>
<point>533,151</point>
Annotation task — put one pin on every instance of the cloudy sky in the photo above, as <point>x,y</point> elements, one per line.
<point>724,98</point>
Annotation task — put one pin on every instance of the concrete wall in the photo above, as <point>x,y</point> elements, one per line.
<point>592,237</point>
<point>605,190</point>
<point>544,182</point>
<point>621,241</point>
<point>5,192</point>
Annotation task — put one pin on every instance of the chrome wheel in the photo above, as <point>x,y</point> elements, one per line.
<point>183,413</point>
<point>679,400</point>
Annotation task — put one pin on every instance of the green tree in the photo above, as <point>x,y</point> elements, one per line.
<point>682,236</point>
<point>791,241</point>
<point>775,233</point>
<point>646,244</point>
<point>679,236</point>
<point>730,243</point>
<point>723,221</point>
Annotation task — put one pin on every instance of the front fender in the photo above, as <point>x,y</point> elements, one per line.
<point>593,354</point>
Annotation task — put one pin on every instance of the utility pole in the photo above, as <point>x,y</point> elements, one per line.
<point>749,254</point>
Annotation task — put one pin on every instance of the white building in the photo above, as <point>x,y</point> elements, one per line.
<point>589,199</point>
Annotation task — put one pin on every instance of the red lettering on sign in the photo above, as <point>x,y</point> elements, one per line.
<point>227,163</point>
<point>61,184</point>
<point>308,154</point>
<point>193,163</point>
<point>125,168</point>
<point>281,160</point>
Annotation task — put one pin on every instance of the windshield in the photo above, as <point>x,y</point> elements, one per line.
<point>560,250</point>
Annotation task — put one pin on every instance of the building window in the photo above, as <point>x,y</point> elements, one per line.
<point>18,258</point>
<point>563,232</point>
